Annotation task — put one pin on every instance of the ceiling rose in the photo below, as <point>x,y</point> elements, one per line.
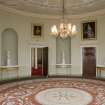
<point>54,7</point>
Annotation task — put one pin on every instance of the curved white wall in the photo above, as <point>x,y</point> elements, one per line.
<point>22,25</point>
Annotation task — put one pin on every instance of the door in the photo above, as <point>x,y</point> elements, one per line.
<point>89,62</point>
<point>45,61</point>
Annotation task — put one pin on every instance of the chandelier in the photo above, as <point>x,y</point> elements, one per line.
<point>65,29</point>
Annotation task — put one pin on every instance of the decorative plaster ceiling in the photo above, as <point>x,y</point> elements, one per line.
<point>54,7</point>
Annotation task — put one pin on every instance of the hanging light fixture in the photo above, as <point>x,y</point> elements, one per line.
<point>65,29</point>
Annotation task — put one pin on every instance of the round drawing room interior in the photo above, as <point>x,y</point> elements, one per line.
<point>52,52</point>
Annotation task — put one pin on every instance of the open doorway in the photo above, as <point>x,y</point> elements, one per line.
<point>39,61</point>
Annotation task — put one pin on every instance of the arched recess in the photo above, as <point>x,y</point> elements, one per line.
<point>9,41</point>
<point>63,50</point>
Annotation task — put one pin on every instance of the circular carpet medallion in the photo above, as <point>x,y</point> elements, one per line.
<point>53,91</point>
<point>64,96</point>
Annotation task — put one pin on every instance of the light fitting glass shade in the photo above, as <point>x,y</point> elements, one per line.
<point>54,30</point>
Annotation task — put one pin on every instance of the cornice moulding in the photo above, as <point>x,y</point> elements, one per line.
<point>46,16</point>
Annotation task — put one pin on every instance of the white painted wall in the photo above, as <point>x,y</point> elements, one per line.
<point>22,25</point>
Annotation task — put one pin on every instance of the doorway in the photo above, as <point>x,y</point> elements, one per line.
<point>89,62</point>
<point>39,61</point>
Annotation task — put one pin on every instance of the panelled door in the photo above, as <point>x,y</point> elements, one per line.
<point>89,62</point>
<point>45,61</point>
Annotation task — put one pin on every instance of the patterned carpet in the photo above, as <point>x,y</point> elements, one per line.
<point>53,91</point>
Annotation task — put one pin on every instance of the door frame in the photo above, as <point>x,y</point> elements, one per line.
<point>38,45</point>
<point>81,48</point>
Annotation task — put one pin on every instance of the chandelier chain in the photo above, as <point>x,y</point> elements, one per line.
<point>63,9</point>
